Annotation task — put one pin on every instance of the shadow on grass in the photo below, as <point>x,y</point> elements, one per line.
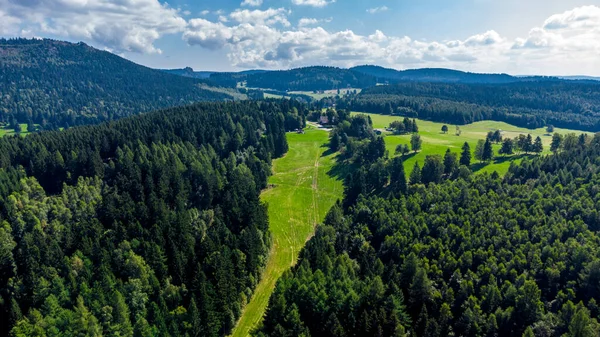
<point>328,152</point>
<point>500,160</point>
<point>341,168</point>
<point>408,156</point>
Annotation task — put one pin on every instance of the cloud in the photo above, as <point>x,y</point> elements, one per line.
<point>303,22</point>
<point>123,25</point>
<point>580,17</point>
<point>377,9</point>
<point>312,3</point>
<point>260,40</point>
<point>252,3</point>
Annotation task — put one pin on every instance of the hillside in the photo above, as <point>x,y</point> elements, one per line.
<point>432,75</point>
<point>531,104</point>
<point>447,252</point>
<point>57,84</point>
<point>189,72</point>
<point>148,223</point>
<point>300,79</point>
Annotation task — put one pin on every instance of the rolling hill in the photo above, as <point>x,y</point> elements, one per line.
<point>433,75</point>
<point>58,84</point>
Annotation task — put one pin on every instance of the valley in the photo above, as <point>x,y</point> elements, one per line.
<point>301,191</point>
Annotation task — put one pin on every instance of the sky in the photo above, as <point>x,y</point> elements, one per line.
<point>520,37</point>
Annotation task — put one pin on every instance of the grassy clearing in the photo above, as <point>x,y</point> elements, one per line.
<point>4,131</point>
<point>435,142</point>
<point>326,93</point>
<point>304,191</point>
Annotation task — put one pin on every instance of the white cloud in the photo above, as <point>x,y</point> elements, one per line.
<point>303,22</point>
<point>255,40</point>
<point>252,3</point>
<point>377,9</point>
<point>122,25</point>
<point>307,22</point>
<point>205,12</point>
<point>269,17</point>
<point>312,3</point>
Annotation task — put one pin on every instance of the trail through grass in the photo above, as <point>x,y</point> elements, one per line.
<point>303,192</point>
<point>436,142</point>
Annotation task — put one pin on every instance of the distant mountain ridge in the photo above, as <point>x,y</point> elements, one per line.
<point>58,84</point>
<point>433,75</point>
<point>318,78</point>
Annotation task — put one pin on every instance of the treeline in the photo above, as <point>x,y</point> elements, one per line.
<point>147,226</point>
<point>467,255</point>
<point>59,84</point>
<point>300,79</point>
<point>532,104</point>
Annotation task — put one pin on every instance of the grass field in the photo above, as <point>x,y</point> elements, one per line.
<point>436,142</point>
<point>326,93</point>
<point>4,131</point>
<point>303,192</point>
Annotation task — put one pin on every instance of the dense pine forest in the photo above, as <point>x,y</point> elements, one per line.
<point>302,79</point>
<point>146,226</point>
<point>449,253</point>
<point>58,84</point>
<point>531,104</point>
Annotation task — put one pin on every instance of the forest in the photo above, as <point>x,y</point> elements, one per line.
<point>445,252</point>
<point>531,104</point>
<point>300,79</point>
<point>59,84</point>
<point>146,226</point>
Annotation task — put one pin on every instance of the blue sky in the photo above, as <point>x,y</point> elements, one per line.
<point>551,37</point>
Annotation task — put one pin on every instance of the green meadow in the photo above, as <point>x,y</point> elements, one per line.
<point>4,131</point>
<point>436,142</point>
<point>302,190</point>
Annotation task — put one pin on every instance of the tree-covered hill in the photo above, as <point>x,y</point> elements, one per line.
<point>300,79</point>
<point>532,104</point>
<point>459,255</point>
<point>58,84</point>
<point>432,75</point>
<point>146,226</point>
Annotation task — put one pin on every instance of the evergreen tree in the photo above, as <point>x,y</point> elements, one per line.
<point>445,128</point>
<point>537,146</point>
<point>416,142</point>
<point>450,162</point>
<point>335,142</point>
<point>397,175</point>
<point>479,149</point>
<point>507,147</point>
<point>415,175</point>
<point>465,155</point>
<point>433,169</point>
<point>488,152</point>
<point>556,142</point>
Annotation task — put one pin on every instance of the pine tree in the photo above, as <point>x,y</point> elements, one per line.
<point>528,332</point>
<point>537,146</point>
<point>450,162</point>
<point>397,175</point>
<point>194,319</point>
<point>488,152</point>
<point>415,175</point>
<point>507,147</point>
<point>416,142</point>
<point>433,169</point>
<point>479,150</point>
<point>465,156</point>
<point>556,142</point>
